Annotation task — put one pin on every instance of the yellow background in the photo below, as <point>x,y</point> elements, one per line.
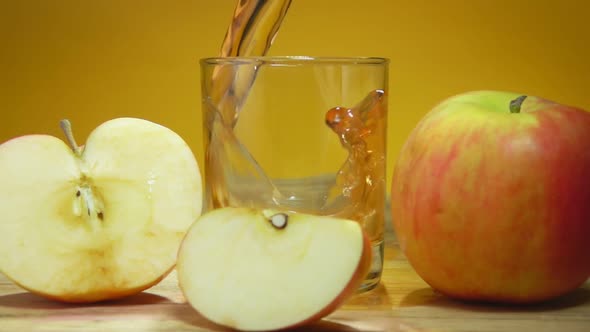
<point>90,61</point>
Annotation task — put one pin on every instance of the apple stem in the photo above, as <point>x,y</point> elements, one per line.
<point>516,104</point>
<point>66,127</point>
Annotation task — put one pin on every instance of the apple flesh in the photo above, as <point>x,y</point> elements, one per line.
<point>491,197</point>
<point>98,223</point>
<point>251,269</point>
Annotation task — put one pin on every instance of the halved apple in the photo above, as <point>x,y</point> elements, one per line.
<point>102,222</point>
<point>259,270</point>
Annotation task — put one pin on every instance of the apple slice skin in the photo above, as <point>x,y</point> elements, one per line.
<point>49,249</point>
<point>260,222</point>
<point>352,287</point>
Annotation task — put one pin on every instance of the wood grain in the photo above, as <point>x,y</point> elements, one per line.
<point>401,302</point>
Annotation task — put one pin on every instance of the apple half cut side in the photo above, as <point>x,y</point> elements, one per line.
<point>251,269</point>
<point>98,223</point>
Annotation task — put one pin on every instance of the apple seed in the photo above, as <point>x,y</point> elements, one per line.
<point>86,200</point>
<point>279,220</point>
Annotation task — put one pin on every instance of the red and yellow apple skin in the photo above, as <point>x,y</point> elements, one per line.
<point>351,288</point>
<point>491,205</point>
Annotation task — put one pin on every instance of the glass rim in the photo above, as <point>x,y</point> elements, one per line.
<point>295,60</point>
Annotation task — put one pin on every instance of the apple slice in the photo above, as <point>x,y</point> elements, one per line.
<point>259,270</point>
<point>103,222</point>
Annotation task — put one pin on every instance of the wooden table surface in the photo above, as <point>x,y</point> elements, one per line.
<point>402,302</point>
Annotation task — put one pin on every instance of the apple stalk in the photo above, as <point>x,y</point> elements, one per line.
<point>516,104</point>
<point>86,201</point>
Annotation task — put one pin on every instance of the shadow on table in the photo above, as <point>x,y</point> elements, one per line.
<point>429,297</point>
<point>26,300</point>
<point>325,326</point>
<point>189,316</point>
<point>375,299</point>
<point>138,306</point>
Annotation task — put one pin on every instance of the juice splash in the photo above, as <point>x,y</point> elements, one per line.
<point>360,182</point>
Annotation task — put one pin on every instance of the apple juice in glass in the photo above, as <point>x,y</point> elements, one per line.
<point>299,134</point>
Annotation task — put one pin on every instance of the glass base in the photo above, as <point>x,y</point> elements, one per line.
<point>374,276</point>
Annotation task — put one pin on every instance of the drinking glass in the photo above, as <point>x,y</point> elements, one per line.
<point>303,134</point>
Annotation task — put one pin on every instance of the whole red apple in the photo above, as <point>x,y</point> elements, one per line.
<point>491,197</point>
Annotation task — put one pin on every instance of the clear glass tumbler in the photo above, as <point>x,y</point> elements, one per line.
<point>299,133</point>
